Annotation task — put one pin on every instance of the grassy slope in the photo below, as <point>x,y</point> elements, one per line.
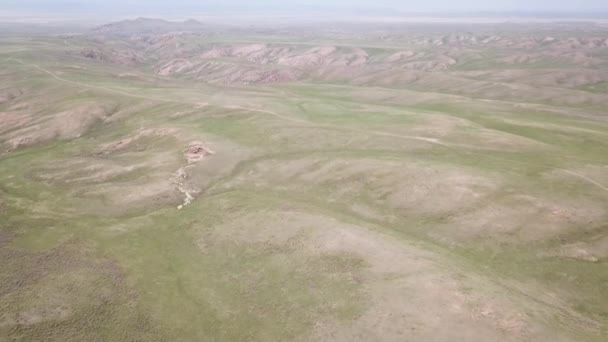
<point>165,286</point>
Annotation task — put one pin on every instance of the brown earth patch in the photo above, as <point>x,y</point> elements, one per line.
<point>402,185</point>
<point>14,120</point>
<point>69,124</point>
<point>196,151</point>
<point>519,218</point>
<point>401,55</point>
<point>112,183</point>
<point>591,250</point>
<point>124,143</point>
<point>408,294</point>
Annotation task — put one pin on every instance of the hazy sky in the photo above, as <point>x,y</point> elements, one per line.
<point>405,5</point>
<point>227,7</point>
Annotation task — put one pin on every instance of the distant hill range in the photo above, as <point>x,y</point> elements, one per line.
<point>148,26</point>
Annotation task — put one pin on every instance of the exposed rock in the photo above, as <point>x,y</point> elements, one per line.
<point>197,151</point>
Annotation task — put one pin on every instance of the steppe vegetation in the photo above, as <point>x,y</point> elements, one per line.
<point>165,181</point>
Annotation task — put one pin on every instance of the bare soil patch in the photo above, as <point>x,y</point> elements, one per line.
<point>404,185</point>
<point>196,151</point>
<point>125,142</point>
<point>408,294</point>
<point>520,217</point>
<point>65,125</point>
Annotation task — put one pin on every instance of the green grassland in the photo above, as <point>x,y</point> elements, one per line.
<point>477,202</point>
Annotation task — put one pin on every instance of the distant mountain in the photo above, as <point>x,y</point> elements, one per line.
<point>148,26</point>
